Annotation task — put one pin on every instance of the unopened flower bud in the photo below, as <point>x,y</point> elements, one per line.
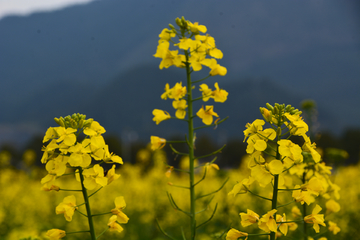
<point>266,114</point>
<point>178,22</point>
<point>278,131</point>
<point>81,123</point>
<point>172,27</point>
<point>276,110</point>
<point>88,122</point>
<point>268,105</point>
<point>288,108</point>
<point>60,121</point>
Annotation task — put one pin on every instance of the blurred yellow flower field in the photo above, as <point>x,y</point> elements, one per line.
<point>27,211</point>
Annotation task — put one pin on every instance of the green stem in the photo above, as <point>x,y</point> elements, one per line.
<point>191,148</point>
<point>304,209</point>
<point>275,189</point>
<point>87,205</point>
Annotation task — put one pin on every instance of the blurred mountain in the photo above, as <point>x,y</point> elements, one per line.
<point>97,59</point>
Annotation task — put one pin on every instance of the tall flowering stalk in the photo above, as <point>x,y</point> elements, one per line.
<point>77,148</point>
<point>283,157</point>
<point>194,49</point>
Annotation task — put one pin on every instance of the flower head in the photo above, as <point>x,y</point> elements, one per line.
<point>249,218</point>
<point>67,207</point>
<point>267,221</point>
<point>333,227</point>
<point>180,106</point>
<point>207,114</point>
<point>160,115</point>
<point>220,95</point>
<point>234,234</point>
<point>55,234</point>
<point>113,225</point>
<point>315,218</point>
<point>119,206</point>
<point>157,142</point>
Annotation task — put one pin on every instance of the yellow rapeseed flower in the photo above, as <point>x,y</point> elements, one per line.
<point>113,225</point>
<point>93,177</point>
<point>160,115</point>
<point>332,206</point>
<point>157,142</point>
<point>267,222</point>
<point>249,218</point>
<point>220,95</point>
<point>207,114</point>
<point>55,234</point>
<point>180,106</point>
<point>253,127</point>
<point>234,234</point>
<point>315,218</point>
<point>118,210</point>
<point>333,227</point>
<point>67,207</point>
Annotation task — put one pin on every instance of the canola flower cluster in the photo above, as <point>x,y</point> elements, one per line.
<point>274,158</point>
<point>70,153</point>
<point>148,182</point>
<point>195,50</point>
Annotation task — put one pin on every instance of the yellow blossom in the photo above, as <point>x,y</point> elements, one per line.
<point>254,127</point>
<point>111,157</point>
<point>50,134</point>
<point>216,69</point>
<point>291,150</point>
<point>118,210</point>
<point>206,92</point>
<point>166,34</point>
<point>302,196</point>
<point>283,226</point>
<point>169,171</point>
<point>315,218</point>
<point>249,218</point>
<point>310,147</point>
<point>196,28</point>
<point>296,212</point>
<point>314,186</point>
<point>113,225</point>
<point>94,129</point>
<point>178,91</point>
<point>234,234</point>
<point>167,92</point>
<point>180,106</point>
<point>220,95</point>
<point>333,227</point>
<point>67,207</point>
<point>332,206</point>
<point>80,156</point>
<point>94,177</point>
<point>111,175</point>
<point>160,115</point>
<point>55,234</point>
<point>275,167</point>
<point>52,187</point>
<point>242,186</point>
<point>66,135</point>
<point>297,126</point>
<point>267,222</point>
<point>157,142</point>
<point>207,114</point>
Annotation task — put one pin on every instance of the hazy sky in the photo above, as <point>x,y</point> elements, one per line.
<point>25,7</point>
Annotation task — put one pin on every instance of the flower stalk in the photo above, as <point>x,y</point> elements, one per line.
<point>196,50</point>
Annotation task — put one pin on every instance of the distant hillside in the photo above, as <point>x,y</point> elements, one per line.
<point>97,59</point>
